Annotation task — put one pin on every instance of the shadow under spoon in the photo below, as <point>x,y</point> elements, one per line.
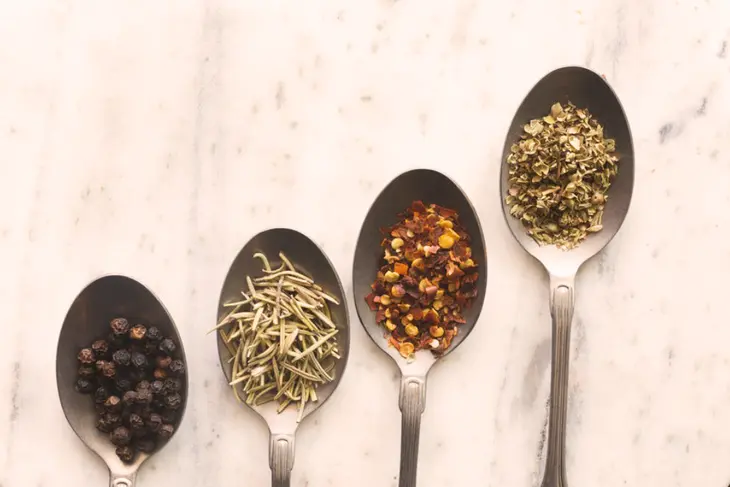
<point>87,320</point>
<point>585,89</point>
<point>429,187</point>
<point>311,261</point>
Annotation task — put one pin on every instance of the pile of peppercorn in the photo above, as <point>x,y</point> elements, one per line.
<point>136,378</point>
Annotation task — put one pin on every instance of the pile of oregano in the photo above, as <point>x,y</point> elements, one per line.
<point>559,174</point>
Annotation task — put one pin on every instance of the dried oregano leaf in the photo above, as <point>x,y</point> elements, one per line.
<point>559,175</point>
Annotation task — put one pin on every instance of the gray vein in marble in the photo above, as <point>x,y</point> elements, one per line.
<point>535,372</point>
<point>703,107</point>
<point>723,50</point>
<point>667,132</point>
<point>618,46</point>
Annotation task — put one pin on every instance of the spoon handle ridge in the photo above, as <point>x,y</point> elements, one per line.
<point>561,310</point>
<point>412,403</point>
<point>117,480</point>
<point>281,459</point>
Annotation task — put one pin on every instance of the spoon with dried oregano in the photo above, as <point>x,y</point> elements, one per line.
<point>564,198</point>
<point>283,335</point>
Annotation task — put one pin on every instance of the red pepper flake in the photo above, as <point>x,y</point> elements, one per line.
<point>427,280</point>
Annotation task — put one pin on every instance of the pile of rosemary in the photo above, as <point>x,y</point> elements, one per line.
<point>281,338</point>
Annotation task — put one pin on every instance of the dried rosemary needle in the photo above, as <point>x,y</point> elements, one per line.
<point>559,175</point>
<point>281,337</point>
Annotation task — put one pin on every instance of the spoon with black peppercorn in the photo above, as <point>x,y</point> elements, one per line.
<point>95,315</point>
<point>310,262</point>
<point>429,187</point>
<point>585,89</point>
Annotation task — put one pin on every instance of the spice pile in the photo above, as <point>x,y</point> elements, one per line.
<point>135,378</point>
<point>428,279</point>
<point>281,337</point>
<point>559,174</point>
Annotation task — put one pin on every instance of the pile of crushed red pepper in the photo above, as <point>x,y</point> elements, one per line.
<point>428,279</point>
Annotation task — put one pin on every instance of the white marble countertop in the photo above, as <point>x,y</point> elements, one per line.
<point>155,138</point>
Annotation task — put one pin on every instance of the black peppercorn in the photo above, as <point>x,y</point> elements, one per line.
<point>85,386</point>
<point>125,453</point>
<point>107,422</point>
<point>103,425</point>
<point>145,445</point>
<point>100,395</point>
<point>86,356</point>
<point>150,348</point>
<point>157,387</point>
<point>173,385</point>
<point>144,411</point>
<point>169,416</point>
<point>144,396</point>
<point>123,384</point>
<point>173,401</point>
<point>143,384</point>
<point>113,403</point>
<point>138,332</point>
<point>154,334</point>
<point>177,367</point>
<point>100,409</point>
<point>159,374</point>
<point>107,369</point>
<point>167,346</point>
<point>122,357</point>
<point>163,362</point>
<point>119,326</point>
<point>129,398</point>
<point>154,422</point>
<point>100,348</point>
<point>166,431</point>
<point>121,436</point>
<point>135,421</point>
<point>87,371</point>
<point>139,360</point>
<point>113,419</point>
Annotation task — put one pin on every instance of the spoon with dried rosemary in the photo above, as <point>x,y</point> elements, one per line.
<point>283,335</point>
<point>566,185</point>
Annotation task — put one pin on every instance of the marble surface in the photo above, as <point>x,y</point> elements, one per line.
<point>155,138</point>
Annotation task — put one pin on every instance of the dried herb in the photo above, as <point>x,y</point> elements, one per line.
<point>281,337</point>
<point>131,405</point>
<point>559,175</point>
<point>428,279</point>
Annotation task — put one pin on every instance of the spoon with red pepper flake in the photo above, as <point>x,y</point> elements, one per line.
<point>123,444</point>
<point>419,282</point>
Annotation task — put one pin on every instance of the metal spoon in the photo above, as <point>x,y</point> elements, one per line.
<point>430,187</point>
<point>585,89</point>
<point>87,320</point>
<point>310,260</point>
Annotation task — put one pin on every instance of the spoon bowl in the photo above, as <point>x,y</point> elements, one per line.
<point>585,89</point>
<point>430,187</point>
<point>87,320</point>
<point>310,260</point>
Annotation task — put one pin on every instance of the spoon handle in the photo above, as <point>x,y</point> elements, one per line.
<point>412,403</point>
<point>561,310</point>
<point>117,480</point>
<point>281,459</point>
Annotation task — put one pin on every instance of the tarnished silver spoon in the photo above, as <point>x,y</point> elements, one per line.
<point>310,260</point>
<point>430,187</point>
<point>585,89</point>
<point>87,320</point>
